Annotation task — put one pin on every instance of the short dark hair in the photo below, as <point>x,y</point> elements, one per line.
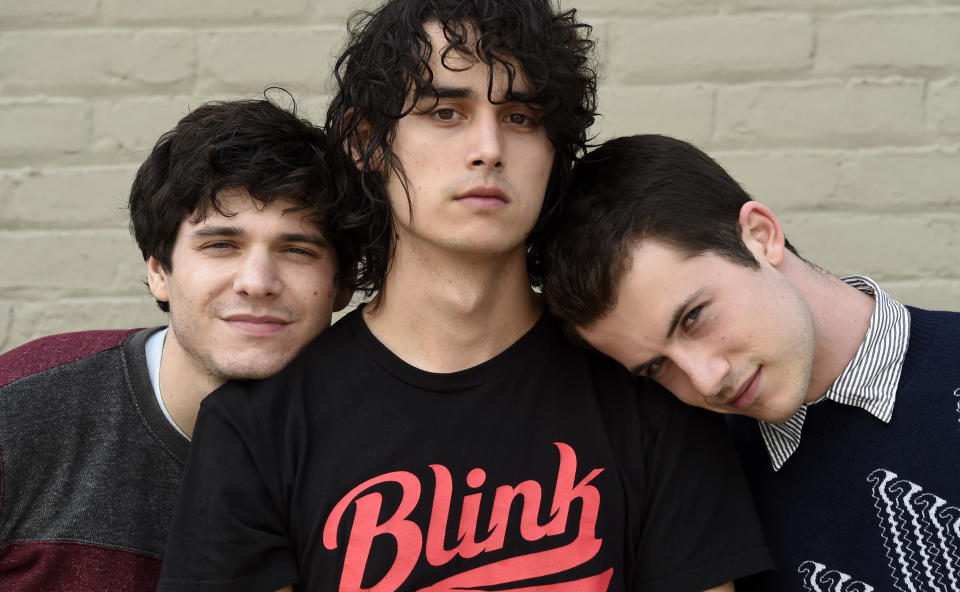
<point>250,144</point>
<point>386,59</point>
<point>627,190</point>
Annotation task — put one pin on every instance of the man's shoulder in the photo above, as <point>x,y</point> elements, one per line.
<point>933,330</point>
<point>947,315</point>
<point>54,351</point>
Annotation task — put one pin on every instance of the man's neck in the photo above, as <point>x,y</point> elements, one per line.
<point>448,312</point>
<point>841,316</point>
<point>182,386</point>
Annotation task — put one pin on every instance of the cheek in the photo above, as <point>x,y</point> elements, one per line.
<point>328,295</point>
<point>546,160</point>
<point>323,293</point>
<point>184,295</point>
<point>543,171</point>
<point>207,281</point>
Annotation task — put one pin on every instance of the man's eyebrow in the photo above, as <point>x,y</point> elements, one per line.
<point>298,237</point>
<point>288,237</point>
<point>439,92</point>
<point>220,230</point>
<point>451,92</point>
<point>434,94</point>
<point>678,312</point>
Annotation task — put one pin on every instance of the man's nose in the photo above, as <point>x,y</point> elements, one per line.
<point>486,142</point>
<point>706,371</point>
<point>258,275</point>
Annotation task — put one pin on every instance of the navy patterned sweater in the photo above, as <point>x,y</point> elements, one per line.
<point>864,505</point>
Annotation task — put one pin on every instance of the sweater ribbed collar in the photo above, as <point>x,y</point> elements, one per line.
<point>870,379</point>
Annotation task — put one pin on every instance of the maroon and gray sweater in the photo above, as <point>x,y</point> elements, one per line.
<point>89,465</point>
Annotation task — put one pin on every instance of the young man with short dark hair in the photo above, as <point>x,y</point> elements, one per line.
<point>230,213</point>
<point>446,436</point>
<point>664,263</point>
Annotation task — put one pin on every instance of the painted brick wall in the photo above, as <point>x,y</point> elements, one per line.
<point>842,115</point>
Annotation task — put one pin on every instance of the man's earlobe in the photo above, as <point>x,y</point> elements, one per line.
<point>761,232</point>
<point>157,279</point>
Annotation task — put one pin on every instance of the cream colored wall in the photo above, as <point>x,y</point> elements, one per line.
<point>842,115</point>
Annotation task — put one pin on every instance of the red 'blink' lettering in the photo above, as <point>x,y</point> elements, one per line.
<point>409,539</point>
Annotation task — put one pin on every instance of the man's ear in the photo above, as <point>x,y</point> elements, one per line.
<point>157,279</point>
<point>356,144</point>
<point>761,232</point>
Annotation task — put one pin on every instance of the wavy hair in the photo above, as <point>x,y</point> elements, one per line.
<point>626,191</point>
<point>250,144</point>
<point>384,71</point>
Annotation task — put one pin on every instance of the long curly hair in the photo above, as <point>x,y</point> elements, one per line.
<point>384,70</point>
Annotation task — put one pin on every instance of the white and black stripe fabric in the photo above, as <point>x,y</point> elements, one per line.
<point>870,379</point>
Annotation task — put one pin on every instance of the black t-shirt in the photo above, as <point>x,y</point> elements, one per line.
<point>539,469</point>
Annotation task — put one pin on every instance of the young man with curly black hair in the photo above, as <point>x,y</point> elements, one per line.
<point>843,400</point>
<point>230,212</point>
<point>446,436</point>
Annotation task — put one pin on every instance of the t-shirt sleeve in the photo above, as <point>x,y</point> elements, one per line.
<point>700,528</point>
<point>227,531</point>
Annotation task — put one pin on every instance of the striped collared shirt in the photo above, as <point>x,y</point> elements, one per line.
<point>870,379</point>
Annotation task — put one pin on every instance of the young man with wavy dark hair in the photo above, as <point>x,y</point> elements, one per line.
<point>230,211</point>
<point>843,400</point>
<point>446,436</point>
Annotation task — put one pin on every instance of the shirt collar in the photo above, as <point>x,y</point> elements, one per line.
<point>870,379</point>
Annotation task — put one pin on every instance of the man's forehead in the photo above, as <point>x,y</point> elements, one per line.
<point>449,57</point>
<point>656,250</point>
<point>224,209</point>
<point>454,49</point>
<point>654,277</point>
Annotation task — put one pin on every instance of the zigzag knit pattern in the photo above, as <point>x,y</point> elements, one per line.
<point>920,533</point>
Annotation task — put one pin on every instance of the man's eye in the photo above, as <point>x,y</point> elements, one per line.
<point>300,251</point>
<point>217,245</point>
<point>444,114</point>
<point>651,368</point>
<point>521,119</point>
<point>692,317</point>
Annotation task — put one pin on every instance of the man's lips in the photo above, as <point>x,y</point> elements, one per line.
<point>256,325</point>
<point>483,197</point>
<point>747,393</point>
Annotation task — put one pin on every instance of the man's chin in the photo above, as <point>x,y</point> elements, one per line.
<point>254,369</point>
<point>774,410</point>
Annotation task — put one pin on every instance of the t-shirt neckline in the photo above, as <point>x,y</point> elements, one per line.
<point>530,343</point>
